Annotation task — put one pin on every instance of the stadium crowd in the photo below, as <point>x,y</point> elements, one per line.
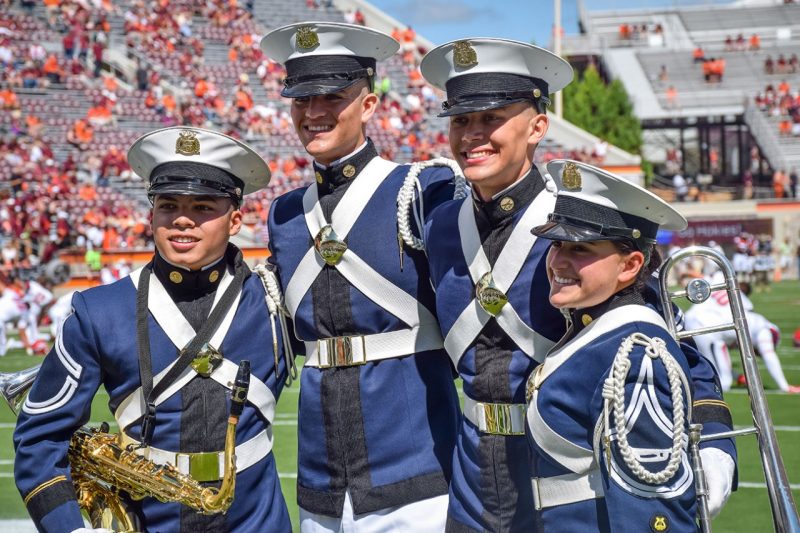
<point>58,161</point>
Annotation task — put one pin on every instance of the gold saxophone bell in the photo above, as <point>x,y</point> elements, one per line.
<point>105,473</point>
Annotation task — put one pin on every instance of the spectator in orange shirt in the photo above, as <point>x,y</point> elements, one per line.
<point>81,134</point>
<point>672,96</point>
<point>244,99</point>
<point>783,88</point>
<point>52,69</point>
<point>201,87</point>
<point>168,101</point>
<point>8,99</point>
<point>755,42</point>
<point>99,115</point>
<point>87,192</point>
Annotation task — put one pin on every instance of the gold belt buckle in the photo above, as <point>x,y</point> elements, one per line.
<point>499,420</point>
<point>340,352</point>
<point>203,466</point>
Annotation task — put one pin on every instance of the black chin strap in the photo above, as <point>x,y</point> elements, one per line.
<point>149,392</point>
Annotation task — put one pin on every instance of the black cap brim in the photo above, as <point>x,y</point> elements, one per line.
<point>560,231</point>
<point>483,104</point>
<point>307,89</point>
<point>186,189</point>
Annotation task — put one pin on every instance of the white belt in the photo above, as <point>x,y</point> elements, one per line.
<point>361,349</point>
<point>496,418</point>
<point>569,488</point>
<point>247,454</point>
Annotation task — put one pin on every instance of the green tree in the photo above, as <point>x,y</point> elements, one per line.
<point>603,110</point>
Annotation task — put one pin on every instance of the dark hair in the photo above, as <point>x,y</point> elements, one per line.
<point>652,260</point>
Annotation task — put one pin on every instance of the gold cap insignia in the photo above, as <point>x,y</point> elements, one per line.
<point>318,176</point>
<point>306,37</point>
<point>328,245</point>
<point>207,360</point>
<point>537,92</point>
<point>635,233</point>
<point>489,296</point>
<point>586,319</point>
<point>464,55</point>
<point>659,523</point>
<point>349,171</point>
<point>507,203</point>
<point>571,176</point>
<point>175,276</point>
<point>187,143</point>
<point>214,276</point>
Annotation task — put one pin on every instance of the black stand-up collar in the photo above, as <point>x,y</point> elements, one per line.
<point>330,177</point>
<point>583,317</point>
<point>182,284</point>
<point>512,200</point>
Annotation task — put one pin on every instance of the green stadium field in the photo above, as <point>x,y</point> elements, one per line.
<point>746,511</point>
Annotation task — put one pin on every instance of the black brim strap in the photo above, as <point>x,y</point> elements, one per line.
<point>149,392</point>
<point>499,96</point>
<point>605,230</point>
<point>290,81</point>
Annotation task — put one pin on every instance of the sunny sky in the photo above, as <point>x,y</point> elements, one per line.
<point>523,20</point>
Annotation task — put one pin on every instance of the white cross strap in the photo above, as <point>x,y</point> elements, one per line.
<point>422,333</point>
<point>506,269</point>
<point>350,207</point>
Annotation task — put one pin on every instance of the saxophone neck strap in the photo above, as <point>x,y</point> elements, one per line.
<point>187,354</point>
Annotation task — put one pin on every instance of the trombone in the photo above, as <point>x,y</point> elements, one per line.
<point>784,511</point>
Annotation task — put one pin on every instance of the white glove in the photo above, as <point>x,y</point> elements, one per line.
<point>91,530</point>
<point>719,468</point>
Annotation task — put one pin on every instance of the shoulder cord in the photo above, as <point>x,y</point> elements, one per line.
<point>274,300</point>
<point>411,187</point>
<point>614,394</point>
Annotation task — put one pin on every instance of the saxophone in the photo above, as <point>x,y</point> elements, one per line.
<point>105,473</point>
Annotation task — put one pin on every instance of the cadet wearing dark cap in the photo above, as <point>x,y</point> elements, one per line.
<point>491,283</point>
<point>195,308</point>
<point>611,455</point>
<point>378,407</point>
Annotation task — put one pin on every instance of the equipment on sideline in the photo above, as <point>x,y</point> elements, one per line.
<point>101,467</point>
<point>784,511</point>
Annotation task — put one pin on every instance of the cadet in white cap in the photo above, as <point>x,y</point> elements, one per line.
<point>491,283</point>
<point>378,408</point>
<point>166,342</point>
<point>612,454</point>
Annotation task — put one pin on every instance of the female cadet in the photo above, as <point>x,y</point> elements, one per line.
<point>490,279</point>
<point>610,455</point>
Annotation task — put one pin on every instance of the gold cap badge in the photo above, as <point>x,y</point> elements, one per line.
<point>187,143</point>
<point>635,233</point>
<point>464,55</point>
<point>571,176</point>
<point>507,203</point>
<point>349,171</point>
<point>175,276</point>
<point>306,37</point>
